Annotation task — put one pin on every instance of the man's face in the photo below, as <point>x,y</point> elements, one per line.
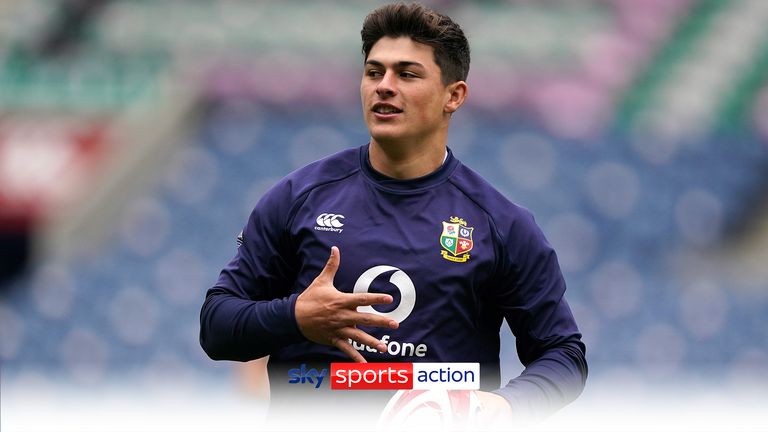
<point>403,95</point>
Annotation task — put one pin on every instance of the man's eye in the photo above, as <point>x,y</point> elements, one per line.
<point>408,75</point>
<point>373,73</point>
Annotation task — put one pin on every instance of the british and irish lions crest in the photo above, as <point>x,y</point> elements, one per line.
<point>456,240</point>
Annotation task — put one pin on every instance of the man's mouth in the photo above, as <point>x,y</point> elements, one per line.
<point>381,108</point>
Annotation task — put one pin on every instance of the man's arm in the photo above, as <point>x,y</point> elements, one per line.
<point>236,329</point>
<point>252,311</point>
<point>549,382</point>
<point>548,340</point>
<point>249,312</point>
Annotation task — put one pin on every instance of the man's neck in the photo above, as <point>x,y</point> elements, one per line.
<point>405,162</point>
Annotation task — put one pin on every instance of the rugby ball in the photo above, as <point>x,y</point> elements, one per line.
<point>431,410</point>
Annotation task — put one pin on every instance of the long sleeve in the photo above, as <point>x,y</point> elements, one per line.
<point>249,312</point>
<point>548,340</point>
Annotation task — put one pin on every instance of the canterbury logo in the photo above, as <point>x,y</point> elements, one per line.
<point>329,222</point>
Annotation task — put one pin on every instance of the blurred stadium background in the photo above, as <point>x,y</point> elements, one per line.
<point>136,135</point>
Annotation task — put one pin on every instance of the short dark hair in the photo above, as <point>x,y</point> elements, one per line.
<point>425,26</point>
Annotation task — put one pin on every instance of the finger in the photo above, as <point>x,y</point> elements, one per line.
<point>368,299</point>
<point>348,349</point>
<point>370,320</point>
<point>351,318</point>
<point>332,265</point>
<point>364,338</point>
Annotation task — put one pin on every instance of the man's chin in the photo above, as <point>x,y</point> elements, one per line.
<point>386,139</point>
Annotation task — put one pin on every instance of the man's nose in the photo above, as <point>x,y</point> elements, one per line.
<point>386,86</point>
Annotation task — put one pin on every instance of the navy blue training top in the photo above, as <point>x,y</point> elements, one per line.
<point>456,255</point>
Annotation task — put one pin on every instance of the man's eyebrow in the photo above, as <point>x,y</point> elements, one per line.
<point>400,65</point>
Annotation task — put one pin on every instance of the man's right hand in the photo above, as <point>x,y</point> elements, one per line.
<point>328,316</point>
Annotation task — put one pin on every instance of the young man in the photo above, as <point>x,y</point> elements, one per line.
<point>458,256</point>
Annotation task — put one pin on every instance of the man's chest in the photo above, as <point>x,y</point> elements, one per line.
<point>428,252</point>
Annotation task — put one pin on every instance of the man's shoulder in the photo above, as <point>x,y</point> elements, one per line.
<point>510,219</point>
<point>284,195</point>
<point>485,195</point>
<point>335,167</point>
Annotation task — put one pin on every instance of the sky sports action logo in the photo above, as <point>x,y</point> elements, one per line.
<point>391,376</point>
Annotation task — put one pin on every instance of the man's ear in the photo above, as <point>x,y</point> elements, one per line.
<point>457,94</point>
